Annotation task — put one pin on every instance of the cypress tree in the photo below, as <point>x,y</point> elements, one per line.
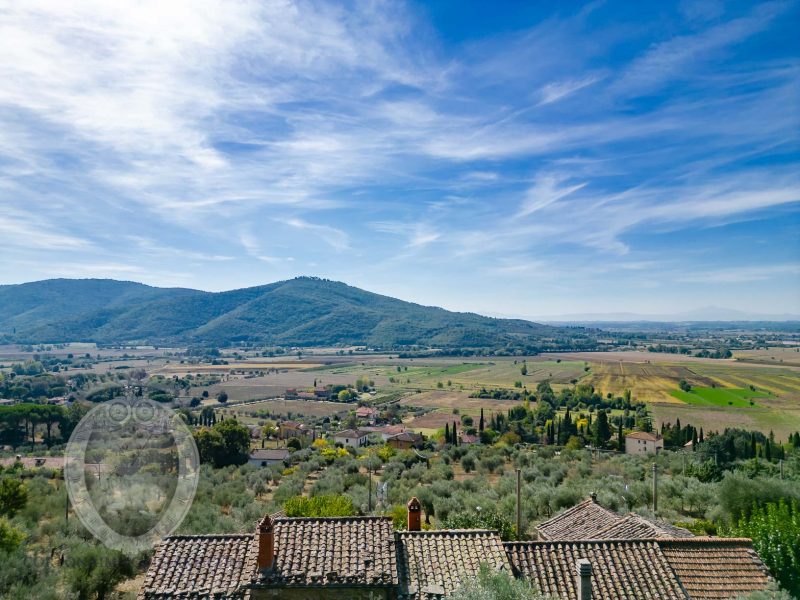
<point>480,424</point>
<point>446,433</point>
<point>455,434</point>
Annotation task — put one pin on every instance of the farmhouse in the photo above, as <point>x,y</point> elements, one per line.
<point>265,457</point>
<point>360,558</point>
<point>368,414</point>
<point>290,429</point>
<point>642,442</point>
<point>351,437</point>
<point>406,440</point>
<point>469,440</point>
<point>385,431</point>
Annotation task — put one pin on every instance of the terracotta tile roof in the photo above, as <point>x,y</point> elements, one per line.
<point>636,527</point>
<point>716,568</point>
<point>333,551</point>
<point>622,569</point>
<point>690,568</point>
<point>644,435</point>
<point>269,454</point>
<point>435,562</point>
<point>582,521</point>
<point>350,433</point>
<point>201,566</point>
<point>407,436</point>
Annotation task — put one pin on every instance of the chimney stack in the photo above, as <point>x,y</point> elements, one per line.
<point>266,544</point>
<point>584,568</point>
<point>593,496</point>
<point>414,514</point>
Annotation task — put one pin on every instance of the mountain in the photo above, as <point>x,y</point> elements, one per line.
<point>304,311</point>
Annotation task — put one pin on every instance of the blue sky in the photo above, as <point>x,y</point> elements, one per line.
<point>524,159</point>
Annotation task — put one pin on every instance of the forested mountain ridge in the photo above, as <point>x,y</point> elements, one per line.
<point>301,312</point>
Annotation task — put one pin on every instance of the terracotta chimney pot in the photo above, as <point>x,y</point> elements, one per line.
<point>266,544</point>
<point>414,514</point>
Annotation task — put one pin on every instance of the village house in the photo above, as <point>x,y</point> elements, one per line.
<point>290,429</point>
<point>642,442</point>
<point>264,457</point>
<point>351,437</point>
<point>385,431</point>
<point>361,558</point>
<point>368,414</point>
<point>469,440</point>
<point>406,440</point>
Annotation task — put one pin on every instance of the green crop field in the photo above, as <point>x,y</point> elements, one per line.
<point>707,396</point>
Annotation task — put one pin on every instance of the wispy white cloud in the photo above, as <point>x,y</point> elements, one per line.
<point>556,90</point>
<point>547,190</point>
<point>26,229</point>
<point>669,59</point>
<point>198,132</point>
<point>335,238</point>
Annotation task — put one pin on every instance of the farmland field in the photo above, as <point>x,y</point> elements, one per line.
<point>308,408</point>
<point>719,396</point>
<point>770,356</point>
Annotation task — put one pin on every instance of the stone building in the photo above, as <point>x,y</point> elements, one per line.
<point>642,442</point>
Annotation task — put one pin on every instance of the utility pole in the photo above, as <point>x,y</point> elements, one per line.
<point>369,501</point>
<point>655,488</point>
<point>519,505</point>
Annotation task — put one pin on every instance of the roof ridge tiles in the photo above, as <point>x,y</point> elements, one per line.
<point>335,519</point>
<point>450,531</point>
<point>195,536</point>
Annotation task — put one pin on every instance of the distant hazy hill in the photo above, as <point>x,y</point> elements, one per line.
<point>303,311</point>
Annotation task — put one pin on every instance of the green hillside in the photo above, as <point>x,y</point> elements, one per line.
<point>300,312</point>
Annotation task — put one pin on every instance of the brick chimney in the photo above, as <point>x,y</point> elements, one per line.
<point>414,514</point>
<point>266,544</point>
<point>584,572</point>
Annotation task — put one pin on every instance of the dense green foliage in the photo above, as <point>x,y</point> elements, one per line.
<point>303,311</point>
<point>18,422</point>
<point>319,506</point>
<point>482,518</point>
<point>225,443</point>
<point>775,531</point>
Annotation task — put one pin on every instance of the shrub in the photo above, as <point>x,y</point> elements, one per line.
<point>775,531</point>
<point>319,506</point>
<point>495,585</point>
<point>486,518</point>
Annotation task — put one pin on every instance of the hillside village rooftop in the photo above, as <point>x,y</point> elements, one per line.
<point>363,557</point>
